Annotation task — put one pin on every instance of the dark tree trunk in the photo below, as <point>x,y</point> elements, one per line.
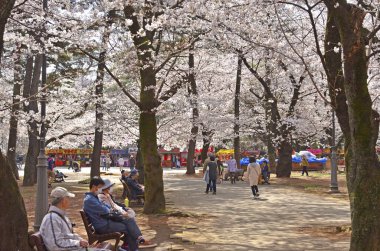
<point>363,174</point>
<point>237,113</point>
<point>194,106</point>
<point>271,123</point>
<point>271,156</point>
<point>207,137</point>
<point>140,163</point>
<point>13,217</point>
<point>99,126</point>
<point>5,11</point>
<point>13,122</point>
<point>284,165</point>
<point>154,184</point>
<point>30,91</point>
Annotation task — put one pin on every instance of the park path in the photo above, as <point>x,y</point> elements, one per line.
<point>235,221</point>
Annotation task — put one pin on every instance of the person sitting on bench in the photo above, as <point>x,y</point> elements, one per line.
<point>59,176</point>
<point>56,229</point>
<point>97,212</point>
<point>107,198</point>
<point>132,182</point>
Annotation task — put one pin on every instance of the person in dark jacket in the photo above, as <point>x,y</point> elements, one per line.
<point>96,212</point>
<point>132,182</point>
<point>213,173</point>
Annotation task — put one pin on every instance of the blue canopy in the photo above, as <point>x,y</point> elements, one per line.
<point>245,161</point>
<point>297,159</point>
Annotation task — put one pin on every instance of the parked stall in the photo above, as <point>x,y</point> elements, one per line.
<point>81,155</point>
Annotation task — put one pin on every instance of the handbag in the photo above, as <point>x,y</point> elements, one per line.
<point>113,216</point>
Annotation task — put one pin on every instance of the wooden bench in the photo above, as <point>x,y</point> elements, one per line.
<point>36,241</point>
<point>127,194</point>
<point>99,238</point>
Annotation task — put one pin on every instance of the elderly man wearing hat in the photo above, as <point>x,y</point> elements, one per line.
<point>56,229</point>
<point>136,188</point>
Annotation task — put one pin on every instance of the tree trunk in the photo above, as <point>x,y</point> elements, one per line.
<point>207,136</point>
<point>14,234</point>
<point>284,166</point>
<point>30,91</point>
<point>13,217</point>
<point>271,156</point>
<point>154,184</point>
<point>13,122</point>
<point>5,11</point>
<point>140,163</point>
<point>99,126</point>
<point>237,113</point>
<point>363,175</point>
<point>193,92</point>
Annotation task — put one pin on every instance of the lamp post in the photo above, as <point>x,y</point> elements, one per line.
<point>334,167</point>
<point>42,193</point>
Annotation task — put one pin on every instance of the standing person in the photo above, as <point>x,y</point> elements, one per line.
<point>265,172</point>
<point>70,158</point>
<point>56,229</point>
<point>232,169</point>
<point>305,164</point>
<point>207,160</point>
<point>178,163</point>
<point>254,172</point>
<point>104,163</point>
<point>108,163</point>
<point>212,169</point>
<point>50,168</point>
<point>121,163</point>
<point>132,162</point>
<point>97,211</point>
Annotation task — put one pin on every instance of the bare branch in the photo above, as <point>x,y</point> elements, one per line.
<point>301,58</point>
<point>121,85</point>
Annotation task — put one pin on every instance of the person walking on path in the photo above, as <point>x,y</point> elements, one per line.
<point>211,174</point>
<point>254,172</point>
<point>305,165</point>
<point>232,169</point>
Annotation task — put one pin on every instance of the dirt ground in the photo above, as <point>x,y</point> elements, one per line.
<point>163,228</point>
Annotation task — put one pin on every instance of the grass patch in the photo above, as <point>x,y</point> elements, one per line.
<point>85,181</point>
<point>313,187</point>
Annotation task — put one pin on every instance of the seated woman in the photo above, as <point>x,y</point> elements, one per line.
<point>107,198</point>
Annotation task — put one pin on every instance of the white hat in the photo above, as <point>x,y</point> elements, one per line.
<point>107,184</point>
<point>60,192</point>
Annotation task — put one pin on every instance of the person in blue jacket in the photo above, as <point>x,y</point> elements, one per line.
<point>96,212</point>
